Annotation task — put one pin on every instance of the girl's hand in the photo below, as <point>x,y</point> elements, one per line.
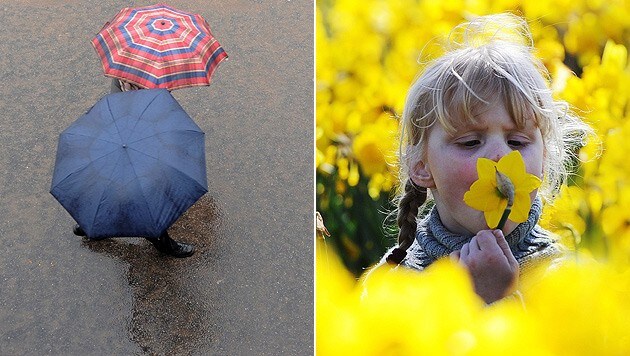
<point>491,264</point>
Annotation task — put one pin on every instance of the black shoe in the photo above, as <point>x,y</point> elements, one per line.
<point>77,230</point>
<point>171,247</point>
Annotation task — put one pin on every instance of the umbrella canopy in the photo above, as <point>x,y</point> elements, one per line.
<point>131,165</point>
<point>158,47</point>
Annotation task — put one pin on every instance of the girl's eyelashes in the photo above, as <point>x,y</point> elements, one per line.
<point>469,143</point>
<point>518,142</point>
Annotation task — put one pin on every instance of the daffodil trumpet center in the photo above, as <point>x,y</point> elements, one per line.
<point>505,187</point>
<point>506,190</point>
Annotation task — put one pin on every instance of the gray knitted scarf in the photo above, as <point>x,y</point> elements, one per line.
<point>528,241</point>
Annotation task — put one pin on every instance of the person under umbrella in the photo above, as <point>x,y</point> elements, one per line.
<point>119,85</point>
<point>157,46</point>
<point>163,243</point>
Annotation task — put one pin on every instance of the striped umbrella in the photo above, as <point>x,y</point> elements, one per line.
<point>158,46</point>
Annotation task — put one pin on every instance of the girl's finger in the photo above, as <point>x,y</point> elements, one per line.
<point>454,256</point>
<point>505,247</point>
<point>464,252</point>
<point>487,241</point>
<point>474,244</point>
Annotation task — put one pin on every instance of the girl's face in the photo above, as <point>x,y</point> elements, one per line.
<point>449,166</point>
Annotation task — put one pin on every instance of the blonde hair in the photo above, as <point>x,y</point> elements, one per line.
<point>491,57</point>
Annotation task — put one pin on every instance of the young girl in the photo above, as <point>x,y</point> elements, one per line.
<point>487,96</point>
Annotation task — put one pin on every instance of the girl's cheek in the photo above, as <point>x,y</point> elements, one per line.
<point>470,169</point>
<point>533,164</point>
<point>466,173</point>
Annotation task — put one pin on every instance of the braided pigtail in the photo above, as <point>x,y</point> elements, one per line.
<point>408,207</point>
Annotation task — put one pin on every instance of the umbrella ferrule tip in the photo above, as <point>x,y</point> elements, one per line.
<point>124,146</point>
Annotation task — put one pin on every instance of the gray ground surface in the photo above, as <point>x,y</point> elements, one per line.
<point>249,288</point>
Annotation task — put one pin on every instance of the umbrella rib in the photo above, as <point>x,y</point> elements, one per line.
<point>109,109</point>
<point>142,190</point>
<point>95,138</point>
<point>148,155</point>
<point>143,111</point>
<point>85,165</point>
<point>103,193</point>
<point>159,133</point>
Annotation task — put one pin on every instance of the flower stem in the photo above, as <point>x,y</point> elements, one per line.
<point>504,217</point>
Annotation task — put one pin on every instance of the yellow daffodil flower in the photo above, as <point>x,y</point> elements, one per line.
<point>487,196</point>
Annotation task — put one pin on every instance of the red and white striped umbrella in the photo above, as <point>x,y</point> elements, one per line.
<point>159,46</point>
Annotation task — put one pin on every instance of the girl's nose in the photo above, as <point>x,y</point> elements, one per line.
<point>497,151</point>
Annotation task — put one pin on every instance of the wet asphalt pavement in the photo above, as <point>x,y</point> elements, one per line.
<point>248,289</point>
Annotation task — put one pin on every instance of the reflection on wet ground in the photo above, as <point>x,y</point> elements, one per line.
<point>164,318</point>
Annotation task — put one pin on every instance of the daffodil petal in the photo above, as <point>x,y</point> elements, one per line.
<point>486,169</point>
<point>482,195</point>
<point>521,207</point>
<point>493,216</point>
<point>529,183</point>
<point>513,166</point>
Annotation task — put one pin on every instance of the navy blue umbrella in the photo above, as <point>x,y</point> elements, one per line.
<point>131,165</point>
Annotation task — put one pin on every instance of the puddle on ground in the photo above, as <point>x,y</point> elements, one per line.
<point>166,317</point>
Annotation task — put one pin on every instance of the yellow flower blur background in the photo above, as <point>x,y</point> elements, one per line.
<point>367,54</point>
<point>576,309</point>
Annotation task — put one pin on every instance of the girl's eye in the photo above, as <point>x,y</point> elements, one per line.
<point>515,143</point>
<point>469,143</point>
